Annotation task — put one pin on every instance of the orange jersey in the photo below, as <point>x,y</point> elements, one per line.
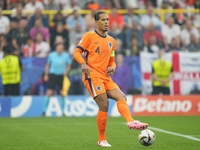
<point>97,52</point>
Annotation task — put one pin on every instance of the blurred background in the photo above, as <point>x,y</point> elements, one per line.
<point>141,28</point>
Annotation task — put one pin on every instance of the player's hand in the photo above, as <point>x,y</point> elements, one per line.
<point>85,69</point>
<point>46,78</point>
<point>110,71</point>
<point>163,82</point>
<point>65,73</point>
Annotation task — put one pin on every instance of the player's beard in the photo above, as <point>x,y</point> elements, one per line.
<point>105,30</point>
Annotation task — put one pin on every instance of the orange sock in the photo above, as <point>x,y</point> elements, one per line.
<point>101,123</point>
<point>124,110</point>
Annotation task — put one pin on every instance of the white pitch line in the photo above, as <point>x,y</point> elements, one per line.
<point>194,135</point>
<point>174,133</point>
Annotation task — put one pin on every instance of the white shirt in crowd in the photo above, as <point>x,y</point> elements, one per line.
<point>185,35</point>
<point>4,22</point>
<point>170,33</point>
<point>42,49</point>
<point>30,7</point>
<point>58,2</point>
<point>146,20</point>
<point>132,3</point>
<point>196,22</point>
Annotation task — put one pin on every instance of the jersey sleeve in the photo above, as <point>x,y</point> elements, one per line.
<point>84,42</point>
<point>112,56</point>
<point>114,45</point>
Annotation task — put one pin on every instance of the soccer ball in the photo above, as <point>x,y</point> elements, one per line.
<point>146,137</point>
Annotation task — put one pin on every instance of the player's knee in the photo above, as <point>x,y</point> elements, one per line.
<point>123,97</point>
<point>104,105</point>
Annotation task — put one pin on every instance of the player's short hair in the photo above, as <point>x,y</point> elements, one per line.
<point>96,16</point>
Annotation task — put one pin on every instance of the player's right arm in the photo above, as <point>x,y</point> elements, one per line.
<point>83,44</point>
<point>47,66</point>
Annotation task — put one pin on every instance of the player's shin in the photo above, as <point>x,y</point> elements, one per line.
<point>101,123</point>
<point>46,102</point>
<point>124,110</point>
<point>63,104</point>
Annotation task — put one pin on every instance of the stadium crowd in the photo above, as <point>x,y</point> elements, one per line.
<point>34,35</point>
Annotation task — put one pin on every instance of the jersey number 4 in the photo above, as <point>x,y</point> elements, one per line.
<point>97,50</point>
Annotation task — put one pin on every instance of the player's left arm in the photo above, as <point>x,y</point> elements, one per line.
<point>112,65</point>
<point>68,65</point>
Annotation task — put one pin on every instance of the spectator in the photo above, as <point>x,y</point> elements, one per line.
<point>60,32</point>
<point>118,44</point>
<point>196,20</point>
<point>130,18</point>
<point>161,74</point>
<point>150,3</point>
<point>135,48</point>
<point>160,2</point>
<point>84,4</point>
<point>193,46</point>
<point>57,66</point>
<point>20,36</point>
<point>72,6</point>
<point>28,48</point>
<point>196,17</point>
<point>165,5</point>
<point>57,3</point>
<point>178,17</point>
<point>173,46</point>
<point>4,23</point>
<point>51,5</point>
<point>197,4</point>
<point>74,19</point>
<point>153,46</point>
<point>2,4</point>
<point>132,3</point>
<point>38,28</point>
<point>107,5</point>
<point>13,27</point>
<point>58,39</point>
<point>115,17</point>
<point>90,22</point>
<point>170,31</point>
<point>40,86</point>
<point>33,5</point>
<point>187,32</point>
<point>75,76</point>
<point>17,12</point>
<point>10,75</point>
<point>115,32</point>
<point>150,17</point>
<point>72,46</point>
<point>195,89</point>
<point>38,15</point>
<point>119,4</point>
<point>40,47</point>
<point>9,5</point>
<point>152,32</point>
<point>133,32</point>
<point>2,44</point>
<point>74,34</point>
<point>58,19</point>
<point>121,75</point>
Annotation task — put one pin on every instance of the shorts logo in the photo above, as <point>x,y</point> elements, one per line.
<point>80,41</point>
<point>110,45</point>
<point>98,88</point>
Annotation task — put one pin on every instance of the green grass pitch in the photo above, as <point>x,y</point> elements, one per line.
<point>81,133</point>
